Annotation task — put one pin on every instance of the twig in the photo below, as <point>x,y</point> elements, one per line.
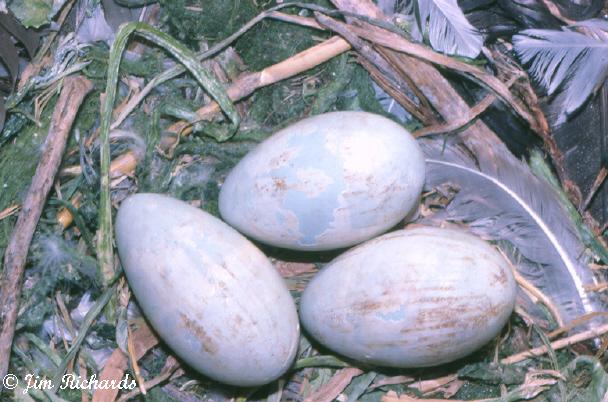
<point>554,10</point>
<point>388,73</point>
<point>295,19</point>
<point>136,371</point>
<point>53,34</point>
<point>534,291</point>
<point>169,371</point>
<point>177,70</point>
<point>541,350</point>
<point>335,385</point>
<point>88,321</point>
<point>599,287</point>
<point>118,363</point>
<point>395,59</point>
<point>401,97</point>
<point>428,386</point>
<point>13,209</point>
<point>462,122</point>
<point>74,91</point>
<point>559,344</point>
<point>599,180</point>
<point>575,323</point>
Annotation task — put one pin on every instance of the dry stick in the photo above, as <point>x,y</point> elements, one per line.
<point>332,389</point>
<point>395,60</point>
<point>384,69</point>
<point>575,323</point>
<point>118,363</point>
<point>67,7</point>
<point>400,97</point>
<point>541,350</point>
<point>171,370</point>
<point>597,183</point>
<point>74,91</point>
<point>134,364</point>
<point>554,10</point>
<point>559,344</point>
<point>9,211</point>
<point>535,292</point>
<point>462,122</point>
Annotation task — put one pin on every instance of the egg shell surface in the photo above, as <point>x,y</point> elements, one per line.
<point>211,295</point>
<point>325,182</point>
<point>411,298</point>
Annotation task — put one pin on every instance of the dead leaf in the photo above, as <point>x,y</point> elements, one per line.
<point>9,53</point>
<point>29,38</point>
<point>143,340</point>
<point>431,385</point>
<point>290,269</point>
<point>335,386</point>
<point>400,379</point>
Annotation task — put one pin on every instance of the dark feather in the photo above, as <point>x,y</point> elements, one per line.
<point>579,9</point>
<point>500,199</point>
<point>583,140</point>
<point>530,13</point>
<point>9,55</point>
<point>497,18</point>
<point>29,38</point>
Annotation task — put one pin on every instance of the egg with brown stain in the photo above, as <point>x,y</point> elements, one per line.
<point>325,182</point>
<point>411,298</point>
<point>211,295</point>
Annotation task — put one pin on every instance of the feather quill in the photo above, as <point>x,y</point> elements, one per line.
<point>500,199</point>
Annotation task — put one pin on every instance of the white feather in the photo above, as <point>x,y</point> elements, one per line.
<point>499,198</point>
<point>448,29</point>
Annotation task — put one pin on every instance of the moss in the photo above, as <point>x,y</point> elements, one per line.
<point>272,41</point>
<point>18,160</point>
<point>192,21</point>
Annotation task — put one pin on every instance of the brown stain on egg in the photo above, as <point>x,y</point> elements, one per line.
<point>207,342</point>
<point>500,278</point>
<point>279,184</point>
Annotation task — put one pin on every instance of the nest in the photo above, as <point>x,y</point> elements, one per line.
<point>178,100</point>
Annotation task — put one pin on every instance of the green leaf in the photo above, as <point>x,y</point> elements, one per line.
<point>32,13</point>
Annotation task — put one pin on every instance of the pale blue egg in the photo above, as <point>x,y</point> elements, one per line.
<point>411,298</point>
<point>210,294</point>
<point>325,182</point>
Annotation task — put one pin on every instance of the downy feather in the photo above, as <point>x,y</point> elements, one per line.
<point>500,199</point>
<point>448,29</point>
<point>573,61</point>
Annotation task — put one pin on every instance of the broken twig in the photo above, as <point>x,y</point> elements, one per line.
<point>74,91</point>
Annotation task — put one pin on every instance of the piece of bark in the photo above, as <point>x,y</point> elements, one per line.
<point>118,363</point>
<point>335,386</point>
<point>74,91</point>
